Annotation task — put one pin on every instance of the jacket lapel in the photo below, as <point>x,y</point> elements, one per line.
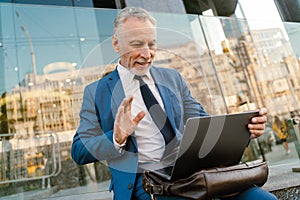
<point>164,93</point>
<point>116,91</point>
<point>117,95</point>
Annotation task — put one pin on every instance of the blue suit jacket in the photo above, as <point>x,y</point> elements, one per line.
<point>93,140</point>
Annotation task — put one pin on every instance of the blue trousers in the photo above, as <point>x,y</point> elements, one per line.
<point>249,194</point>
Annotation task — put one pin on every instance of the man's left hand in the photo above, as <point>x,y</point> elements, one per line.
<point>257,125</point>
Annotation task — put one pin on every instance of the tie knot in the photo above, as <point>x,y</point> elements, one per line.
<point>140,79</point>
<point>137,77</point>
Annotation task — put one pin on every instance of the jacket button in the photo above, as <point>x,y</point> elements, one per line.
<point>129,186</point>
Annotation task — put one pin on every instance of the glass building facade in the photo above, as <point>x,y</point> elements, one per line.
<point>49,53</point>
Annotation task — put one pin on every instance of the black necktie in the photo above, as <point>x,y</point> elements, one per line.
<point>157,114</point>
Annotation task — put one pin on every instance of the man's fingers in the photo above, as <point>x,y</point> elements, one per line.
<point>256,130</point>
<point>257,126</point>
<point>256,133</point>
<point>120,110</point>
<point>263,111</point>
<point>127,102</point>
<point>259,119</point>
<point>139,117</point>
<point>128,105</point>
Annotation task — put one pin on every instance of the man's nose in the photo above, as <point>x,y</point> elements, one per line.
<point>146,52</point>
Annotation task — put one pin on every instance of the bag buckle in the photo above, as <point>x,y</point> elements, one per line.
<point>154,189</point>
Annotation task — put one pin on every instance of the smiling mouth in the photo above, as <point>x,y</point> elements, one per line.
<point>143,63</point>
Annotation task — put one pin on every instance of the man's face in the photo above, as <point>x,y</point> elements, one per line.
<point>135,41</point>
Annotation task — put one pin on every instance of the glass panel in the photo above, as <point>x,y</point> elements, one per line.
<point>223,37</point>
<point>258,68</point>
<point>182,46</point>
<point>43,49</point>
<point>48,55</point>
<point>293,32</point>
<point>40,2</point>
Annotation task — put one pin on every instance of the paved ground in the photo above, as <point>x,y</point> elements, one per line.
<point>281,168</point>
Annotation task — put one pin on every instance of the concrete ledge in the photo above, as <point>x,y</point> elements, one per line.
<point>43,194</point>
<point>282,176</point>
<point>283,182</point>
<point>30,195</point>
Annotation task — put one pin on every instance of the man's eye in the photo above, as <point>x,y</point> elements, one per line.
<point>136,44</point>
<point>152,45</point>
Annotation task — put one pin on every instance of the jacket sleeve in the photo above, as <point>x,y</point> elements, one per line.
<point>90,143</point>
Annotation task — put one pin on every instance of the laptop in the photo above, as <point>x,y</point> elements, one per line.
<point>210,141</point>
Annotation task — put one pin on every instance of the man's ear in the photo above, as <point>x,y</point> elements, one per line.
<point>115,43</point>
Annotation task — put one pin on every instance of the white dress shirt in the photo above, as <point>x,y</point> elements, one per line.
<point>151,144</point>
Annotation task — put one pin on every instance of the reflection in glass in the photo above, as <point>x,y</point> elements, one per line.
<point>47,62</point>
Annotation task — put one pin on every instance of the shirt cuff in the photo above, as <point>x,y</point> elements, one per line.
<point>119,147</point>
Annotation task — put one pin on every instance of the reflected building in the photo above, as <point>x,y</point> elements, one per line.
<point>244,76</point>
<point>278,73</point>
<point>195,65</point>
<point>272,70</point>
<point>258,69</point>
<point>53,104</point>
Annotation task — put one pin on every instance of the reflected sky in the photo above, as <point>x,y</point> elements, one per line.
<point>81,36</point>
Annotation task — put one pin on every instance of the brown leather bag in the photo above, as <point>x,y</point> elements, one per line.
<point>209,183</point>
